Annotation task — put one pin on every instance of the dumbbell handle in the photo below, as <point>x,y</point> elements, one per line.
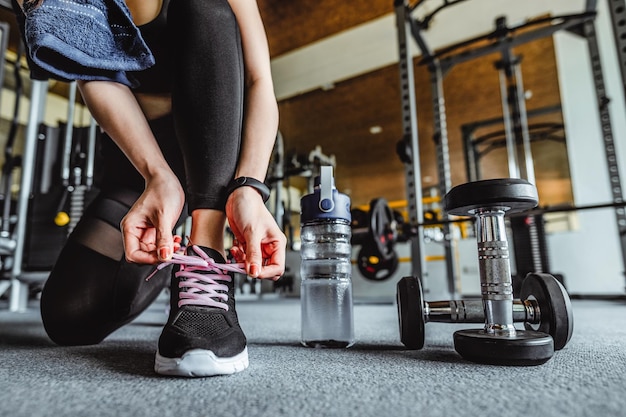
<point>472,311</point>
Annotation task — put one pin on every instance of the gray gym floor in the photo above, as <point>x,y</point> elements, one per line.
<point>376,377</point>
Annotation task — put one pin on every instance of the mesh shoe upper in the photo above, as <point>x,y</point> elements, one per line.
<point>202,314</point>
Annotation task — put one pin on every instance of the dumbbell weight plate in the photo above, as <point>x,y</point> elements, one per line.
<point>514,194</point>
<point>526,348</point>
<point>557,318</point>
<point>410,302</point>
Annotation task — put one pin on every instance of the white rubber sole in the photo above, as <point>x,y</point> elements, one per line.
<point>200,363</point>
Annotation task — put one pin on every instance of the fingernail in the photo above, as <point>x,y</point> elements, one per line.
<point>254,270</point>
<point>164,253</point>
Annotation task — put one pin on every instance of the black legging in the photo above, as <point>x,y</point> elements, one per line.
<point>91,290</point>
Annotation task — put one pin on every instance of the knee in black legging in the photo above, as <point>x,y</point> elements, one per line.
<point>92,291</point>
<point>88,295</point>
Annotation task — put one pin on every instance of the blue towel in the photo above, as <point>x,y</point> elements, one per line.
<point>84,40</point>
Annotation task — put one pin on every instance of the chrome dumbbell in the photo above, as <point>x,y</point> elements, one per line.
<point>498,341</point>
<point>544,307</point>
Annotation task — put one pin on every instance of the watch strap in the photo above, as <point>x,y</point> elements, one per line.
<point>261,187</point>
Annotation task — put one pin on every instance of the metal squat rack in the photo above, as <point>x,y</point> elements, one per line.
<point>515,118</point>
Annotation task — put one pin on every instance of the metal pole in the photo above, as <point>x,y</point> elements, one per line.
<point>279,162</point>
<point>19,290</point>
<point>528,165</point>
<point>607,133</point>
<point>91,154</point>
<point>511,146</point>
<point>471,160</point>
<point>618,16</point>
<point>4,43</point>
<point>69,128</point>
<point>443,158</point>
<point>409,125</point>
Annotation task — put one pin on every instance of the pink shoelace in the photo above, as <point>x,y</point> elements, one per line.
<point>196,286</point>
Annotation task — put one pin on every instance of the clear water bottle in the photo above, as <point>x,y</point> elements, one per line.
<point>326,270</point>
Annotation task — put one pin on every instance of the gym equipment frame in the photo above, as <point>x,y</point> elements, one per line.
<point>441,62</point>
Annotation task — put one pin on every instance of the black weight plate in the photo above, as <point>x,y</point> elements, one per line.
<point>557,318</point>
<point>379,270</point>
<point>382,227</point>
<point>526,348</point>
<point>410,312</point>
<point>515,194</point>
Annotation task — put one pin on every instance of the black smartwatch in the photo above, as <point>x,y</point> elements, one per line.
<point>249,182</point>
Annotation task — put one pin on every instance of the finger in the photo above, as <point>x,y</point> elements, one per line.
<point>142,257</point>
<point>135,252</point>
<point>164,243</point>
<point>274,266</point>
<point>238,254</point>
<point>254,256</point>
<point>177,242</point>
<point>273,272</point>
<point>130,242</point>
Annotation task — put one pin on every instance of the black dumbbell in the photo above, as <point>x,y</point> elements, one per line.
<point>545,307</point>
<point>498,342</point>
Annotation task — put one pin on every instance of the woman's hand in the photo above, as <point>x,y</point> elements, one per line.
<point>147,228</point>
<point>259,242</point>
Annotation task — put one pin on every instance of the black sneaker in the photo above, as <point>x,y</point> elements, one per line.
<point>202,336</point>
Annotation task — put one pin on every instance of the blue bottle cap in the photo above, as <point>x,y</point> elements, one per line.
<point>325,202</point>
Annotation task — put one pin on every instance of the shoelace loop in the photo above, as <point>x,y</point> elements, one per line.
<point>196,286</point>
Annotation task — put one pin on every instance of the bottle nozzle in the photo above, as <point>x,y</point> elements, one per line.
<point>326,189</point>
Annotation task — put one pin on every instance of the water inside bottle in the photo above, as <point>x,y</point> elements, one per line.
<point>327,313</point>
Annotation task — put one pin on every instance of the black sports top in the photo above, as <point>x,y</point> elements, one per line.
<point>156,79</point>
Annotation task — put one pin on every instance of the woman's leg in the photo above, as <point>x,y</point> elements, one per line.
<point>207,96</point>
<point>92,290</point>
<point>203,337</point>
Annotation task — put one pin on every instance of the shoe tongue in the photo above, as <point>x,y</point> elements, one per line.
<point>217,257</point>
